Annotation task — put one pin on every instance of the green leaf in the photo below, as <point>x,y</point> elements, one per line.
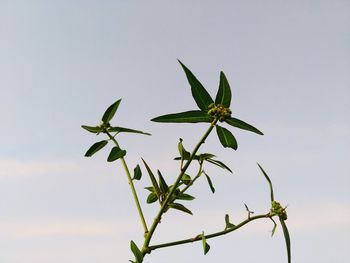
<point>224,93</point>
<point>220,164</point>
<point>269,181</point>
<point>115,154</point>
<point>95,129</point>
<point>153,179</point>
<point>226,137</point>
<point>286,237</point>
<point>184,117</point>
<point>136,251</point>
<point>242,125</point>
<point>137,173</point>
<point>227,221</point>
<point>186,197</point>
<point>199,93</point>
<point>109,113</point>
<point>210,183</point>
<point>150,188</point>
<point>95,148</point>
<point>185,155</point>
<point>152,197</point>
<point>180,207</point>
<point>186,179</point>
<point>205,156</point>
<point>206,246</point>
<point>164,188</point>
<point>121,129</point>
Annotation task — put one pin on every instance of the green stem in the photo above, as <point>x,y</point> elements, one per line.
<point>194,179</point>
<point>133,190</point>
<point>145,248</point>
<point>216,234</point>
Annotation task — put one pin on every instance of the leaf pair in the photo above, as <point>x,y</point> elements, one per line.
<point>203,101</point>
<point>281,219</point>
<point>114,154</point>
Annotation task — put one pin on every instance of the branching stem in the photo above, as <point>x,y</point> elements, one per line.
<point>145,248</point>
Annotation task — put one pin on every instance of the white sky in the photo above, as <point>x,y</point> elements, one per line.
<point>63,62</point>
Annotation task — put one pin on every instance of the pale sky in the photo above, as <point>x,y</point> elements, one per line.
<point>64,62</point>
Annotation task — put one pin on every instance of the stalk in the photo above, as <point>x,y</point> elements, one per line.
<point>133,190</point>
<point>145,248</point>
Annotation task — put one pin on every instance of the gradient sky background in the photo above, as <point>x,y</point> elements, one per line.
<point>63,62</point>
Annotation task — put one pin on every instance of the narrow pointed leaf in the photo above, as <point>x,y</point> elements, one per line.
<point>224,93</point>
<point>227,221</point>
<point>184,117</point>
<point>95,148</point>
<point>269,181</point>
<point>210,183</point>
<point>92,129</point>
<point>220,164</point>
<point>121,129</point>
<point>185,155</point>
<point>206,246</point>
<point>153,179</point>
<point>205,156</point>
<point>287,238</point>
<point>136,251</point>
<point>149,188</point>
<point>152,197</point>
<point>115,154</point>
<point>137,173</point>
<point>242,125</point>
<point>186,197</point>
<point>109,113</point>
<point>180,207</point>
<point>199,93</point>
<point>226,137</point>
<point>164,188</point>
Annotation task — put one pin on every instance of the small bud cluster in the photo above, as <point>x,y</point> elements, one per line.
<point>219,111</point>
<point>104,126</point>
<point>277,209</point>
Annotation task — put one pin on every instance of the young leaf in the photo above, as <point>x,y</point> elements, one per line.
<point>180,207</point>
<point>95,148</point>
<point>184,117</point>
<point>92,129</point>
<point>115,154</point>
<point>164,188</point>
<point>224,93</point>
<point>269,181</point>
<point>286,237</point>
<point>186,179</point>
<point>136,251</point>
<point>226,137</point>
<point>152,197</point>
<point>242,125</point>
<point>153,179</point>
<point>185,155</point>
<point>199,93</point>
<point>137,173</point>
<point>206,246</point>
<point>227,221</point>
<point>210,183</point>
<point>121,129</point>
<point>109,113</point>
<point>220,164</point>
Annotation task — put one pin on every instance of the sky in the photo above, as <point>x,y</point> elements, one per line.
<point>64,62</point>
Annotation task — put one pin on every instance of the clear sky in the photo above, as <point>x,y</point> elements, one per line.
<point>63,62</point>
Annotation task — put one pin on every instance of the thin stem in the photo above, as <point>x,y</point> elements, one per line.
<point>194,179</point>
<point>216,234</point>
<point>145,248</point>
<point>133,190</point>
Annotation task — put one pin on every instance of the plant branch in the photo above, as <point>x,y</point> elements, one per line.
<point>216,234</point>
<point>133,190</point>
<point>194,179</point>
<point>145,248</point>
